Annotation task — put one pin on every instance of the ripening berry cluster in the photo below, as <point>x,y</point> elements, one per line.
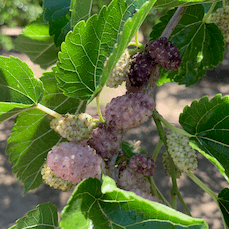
<point>137,70</point>
<point>142,164</point>
<point>136,182</point>
<point>221,19</point>
<point>183,155</point>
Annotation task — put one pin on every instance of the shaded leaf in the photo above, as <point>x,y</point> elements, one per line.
<point>54,10</point>
<point>59,29</point>
<point>37,44</point>
<point>103,205</point>
<point>32,137</point>
<point>224,205</point>
<point>80,10</point>
<point>201,45</point>
<point>207,121</point>
<point>44,216</point>
<point>17,82</point>
<point>81,71</point>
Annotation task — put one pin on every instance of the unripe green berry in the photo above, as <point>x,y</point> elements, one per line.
<point>73,127</point>
<point>183,155</point>
<point>54,181</point>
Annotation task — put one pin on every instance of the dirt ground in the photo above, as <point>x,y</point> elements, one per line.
<point>170,99</point>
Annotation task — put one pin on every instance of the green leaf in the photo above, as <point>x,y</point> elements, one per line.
<point>175,3</point>
<point>201,45</point>
<point>37,44</point>
<point>17,82</point>
<point>103,205</point>
<point>224,205</point>
<point>80,10</point>
<point>32,137</point>
<point>59,29</point>
<point>81,71</point>
<point>207,121</point>
<point>9,110</point>
<point>54,10</point>
<point>44,216</point>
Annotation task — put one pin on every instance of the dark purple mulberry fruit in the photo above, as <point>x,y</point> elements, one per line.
<point>105,140</point>
<point>141,67</point>
<point>165,53</point>
<point>130,110</point>
<point>142,164</point>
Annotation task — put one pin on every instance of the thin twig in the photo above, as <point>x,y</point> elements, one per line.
<point>173,22</point>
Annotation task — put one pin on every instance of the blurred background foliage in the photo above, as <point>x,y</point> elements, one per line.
<point>19,13</point>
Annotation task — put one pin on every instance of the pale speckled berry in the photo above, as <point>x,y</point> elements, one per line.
<point>130,110</point>
<point>73,127</point>
<point>120,71</point>
<point>183,155</point>
<point>74,162</point>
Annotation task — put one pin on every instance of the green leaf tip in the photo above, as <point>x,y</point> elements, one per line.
<point>17,82</point>
<point>103,205</point>
<point>43,216</point>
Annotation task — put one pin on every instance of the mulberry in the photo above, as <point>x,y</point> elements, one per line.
<point>142,164</point>
<point>183,155</point>
<point>221,19</point>
<point>129,111</point>
<point>74,162</point>
<point>73,127</point>
<point>120,71</point>
<point>165,53</point>
<point>141,67</point>
<point>54,181</point>
<point>105,140</point>
<point>132,180</point>
<point>166,166</point>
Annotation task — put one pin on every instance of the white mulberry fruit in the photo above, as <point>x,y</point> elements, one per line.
<point>74,162</point>
<point>120,71</point>
<point>183,155</point>
<point>106,140</point>
<point>167,168</point>
<point>142,164</point>
<point>221,19</point>
<point>130,110</point>
<point>54,181</point>
<point>73,127</point>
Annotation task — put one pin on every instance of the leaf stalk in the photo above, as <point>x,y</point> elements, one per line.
<point>48,111</point>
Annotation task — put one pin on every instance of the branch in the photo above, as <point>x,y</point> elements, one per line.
<point>173,22</point>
